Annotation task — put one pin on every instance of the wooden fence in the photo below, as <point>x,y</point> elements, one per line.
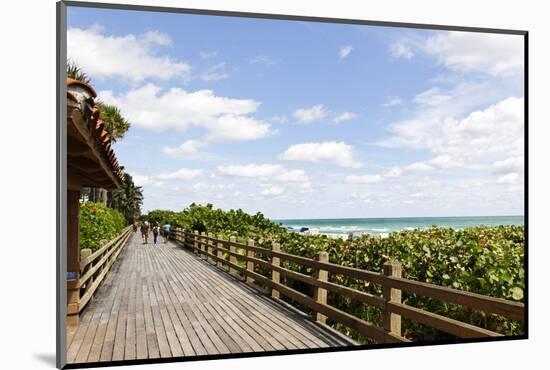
<point>227,254</point>
<point>94,267</point>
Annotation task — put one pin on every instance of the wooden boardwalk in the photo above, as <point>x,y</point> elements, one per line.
<point>162,301</point>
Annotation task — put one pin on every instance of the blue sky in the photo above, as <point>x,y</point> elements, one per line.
<point>310,120</point>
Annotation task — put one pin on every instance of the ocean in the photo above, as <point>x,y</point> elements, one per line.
<point>344,226</point>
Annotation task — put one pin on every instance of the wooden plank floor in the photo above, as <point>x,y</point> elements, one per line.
<point>162,301</point>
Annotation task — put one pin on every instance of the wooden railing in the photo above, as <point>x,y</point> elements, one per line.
<point>227,254</point>
<point>95,266</point>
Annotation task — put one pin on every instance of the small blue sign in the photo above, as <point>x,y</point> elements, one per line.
<point>72,275</point>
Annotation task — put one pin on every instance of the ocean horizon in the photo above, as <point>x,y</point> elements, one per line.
<point>337,226</point>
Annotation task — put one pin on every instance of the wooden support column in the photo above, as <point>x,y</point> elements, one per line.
<point>392,321</point>
<point>249,264</point>
<point>219,252</point>
<point>320,294</point>
<point>232,258</point>
<point>73,256</point>
<point>275,275</point>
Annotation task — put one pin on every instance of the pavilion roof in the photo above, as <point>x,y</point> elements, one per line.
<point>91,158</point>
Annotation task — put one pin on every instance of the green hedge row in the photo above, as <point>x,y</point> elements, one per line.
<point>484,260</point>
<point>98,224</point>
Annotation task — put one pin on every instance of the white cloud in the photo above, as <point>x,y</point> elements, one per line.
<point>142,180</point>
<point>263,59</point>
<point>509,179</point>
<point>419,195</point>
<point>223,119</point>
<point>439,162</point>
<point>431,97</point>
<point>311,114</point>
<point>250,170</point>
<point>509,164</point>
<point>401,50</point>
<point>444,161</point>
<point>496,54</point>
<point>345,51</point>
<point>392,101</point>
<point>292,176</point>
<point>157,37</point>
<point>427,182</point>
<point>496,129</point>
<point>487,53</point>
<point>306,186</point>
<point>346,116</point>
<point>181,174</point>
<point>215,73</point>
<point>203,187</point>
<point>418,166</point>
<point>187,149</point>
<point>363,179</point>
<point>481,136</point>
<point>131,57</point>
<point>272,172</point>
<point>394,172</point>
<point>472,184</point>
<point>272,190</point>
<point>237,128</point>
<point>338,153</point>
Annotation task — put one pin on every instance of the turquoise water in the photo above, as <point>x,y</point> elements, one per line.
<point>385,225</point>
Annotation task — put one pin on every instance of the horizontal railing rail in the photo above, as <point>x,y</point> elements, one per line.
<point>226,254</point>
<point>95,266</point>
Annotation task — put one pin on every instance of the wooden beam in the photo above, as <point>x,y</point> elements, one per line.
<point>432,320</point>
<point>75,117</point>
<point>77,148</point>
<point>86,179</point>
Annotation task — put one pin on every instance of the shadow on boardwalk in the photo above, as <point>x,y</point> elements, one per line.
<point>162,301</point>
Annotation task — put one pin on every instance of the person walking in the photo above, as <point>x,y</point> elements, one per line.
<point>145,231</point>
<point>156,230</point>
<point>135,225</point>
<point>166,232</point>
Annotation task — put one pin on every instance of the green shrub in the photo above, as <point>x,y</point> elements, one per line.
<point>98,224</point>
<point>484,260</point>
<point>207,219</point>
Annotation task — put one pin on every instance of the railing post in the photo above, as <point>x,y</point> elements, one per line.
<point>275,275</point>
<point>232,258</point>
<point>249,264</point>
<point>202,244</point>
<point>196,242</point>
<point>183,238</point>
<point>210,249</point>
<point>392,321</point>
<point>219,252</point>
<point>84,253</point>
<point>320,294</point>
